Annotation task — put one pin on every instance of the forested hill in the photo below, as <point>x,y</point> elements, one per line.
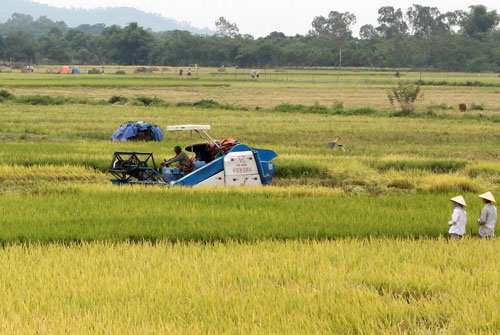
<point>74,17</point>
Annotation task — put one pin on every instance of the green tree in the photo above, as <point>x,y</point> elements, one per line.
<point>130,45</point>
<point>395,52</point>
<point>20,47</point>
<point>55,49</point>
<point>224,28</point>
<point>479,20</point>
<point>2,47</point>
<point>337,26</point>
<point>424,21</point>
<point>94,29</point>
<point>367,31</point>
<point>26,24</point>
<point>19,22</point>
<point>391,22</point>
<point>55,32</point>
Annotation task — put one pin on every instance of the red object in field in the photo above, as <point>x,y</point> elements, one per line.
<point>462,107</point>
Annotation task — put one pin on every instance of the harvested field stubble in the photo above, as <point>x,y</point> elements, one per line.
<point>306,86</point>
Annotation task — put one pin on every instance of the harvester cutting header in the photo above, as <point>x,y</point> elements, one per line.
<point>213,163</point>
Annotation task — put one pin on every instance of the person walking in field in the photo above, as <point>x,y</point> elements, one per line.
<point>458,218</point>
<point>488,218</point>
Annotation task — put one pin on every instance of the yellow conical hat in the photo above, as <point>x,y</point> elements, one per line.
<point>488,196</point>
<point>459,200</point>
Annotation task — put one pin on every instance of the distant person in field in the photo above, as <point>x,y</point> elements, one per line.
<point>257,74</point>
<point>181,157</point>
<point>180,72</point>
<point>488,218</point>
<point>458,218</point>
<point>189,72</point>
<point>252,73</point>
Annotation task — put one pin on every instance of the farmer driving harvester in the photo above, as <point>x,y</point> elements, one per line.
<point>181,157</point>
<point>214,163</point>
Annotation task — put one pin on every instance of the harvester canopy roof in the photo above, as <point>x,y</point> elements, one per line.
<point>199,129</point>
<point>188,127</point>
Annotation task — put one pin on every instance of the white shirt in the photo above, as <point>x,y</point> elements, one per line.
<point>458,221</point>
<point>487,220</point>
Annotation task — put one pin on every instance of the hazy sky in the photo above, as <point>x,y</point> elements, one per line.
<point>260,17</point>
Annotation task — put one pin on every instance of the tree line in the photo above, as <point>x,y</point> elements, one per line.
<point>420,37</point>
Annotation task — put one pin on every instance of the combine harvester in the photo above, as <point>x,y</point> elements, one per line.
<point>214,164</point>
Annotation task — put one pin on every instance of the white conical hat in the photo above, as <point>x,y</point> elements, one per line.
<point>488,196</point>
<point>459,200</point>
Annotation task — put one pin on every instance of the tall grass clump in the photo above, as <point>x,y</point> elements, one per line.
<point>449,183</point>
<point>441,106</point>
<point>148,101</point>
<point>5,95</point>
<point>468,83</point>
<point>208,104</point>
<point>94,71</point>
<point>484,169</point>
<point>405,96</point>
<point>118,99</point>
<point>299,169</point>
<point>47,100</point>
<point>320,109</point>
<point>433,165</point>
<point>298,108</point>
<point>338,105</point>
<point>356,111</point>
<point>476,107</point>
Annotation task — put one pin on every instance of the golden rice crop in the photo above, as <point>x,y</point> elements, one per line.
<point>375,286</point>
<point>290,132</point>
<point>19,174</point>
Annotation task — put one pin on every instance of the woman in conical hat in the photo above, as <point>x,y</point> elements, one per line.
<point>458,218</point>
<point>488,218</point>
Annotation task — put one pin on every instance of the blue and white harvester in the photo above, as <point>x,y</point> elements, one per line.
<point>213,163</point>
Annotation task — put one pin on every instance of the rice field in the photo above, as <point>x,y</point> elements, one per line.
<point>347,286</point>
<point>347,242</point>
<point>366,88</point>
<point>102,213</point>
<point>384,155</point>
